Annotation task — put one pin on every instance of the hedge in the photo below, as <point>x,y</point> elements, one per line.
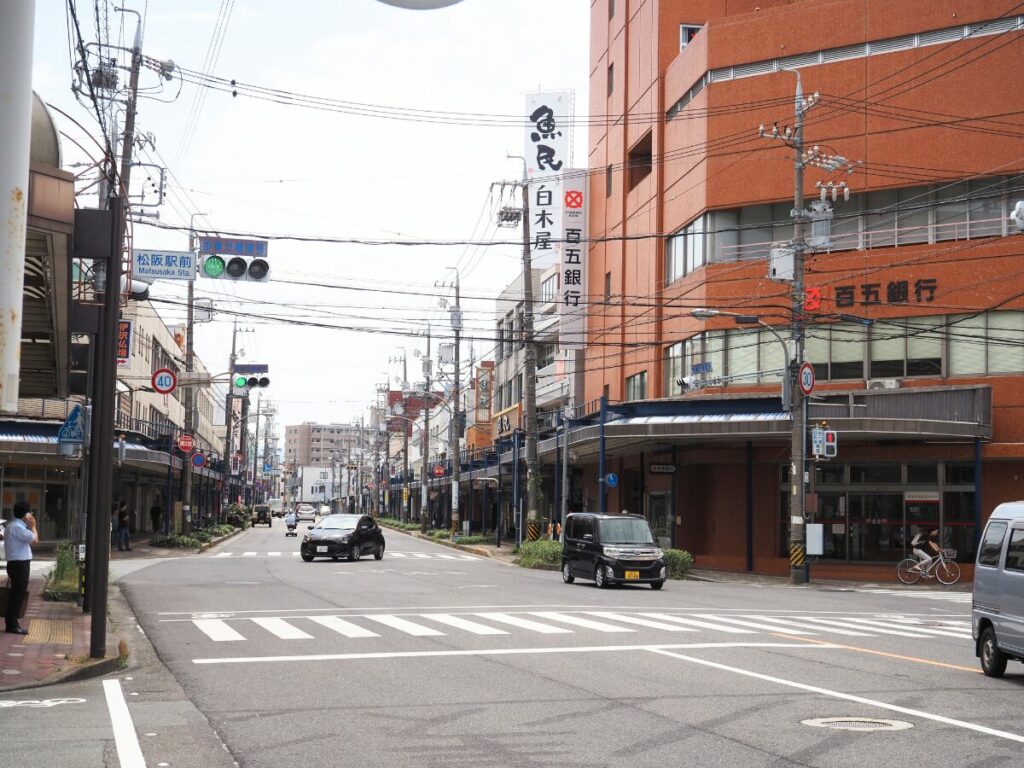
<point>679,561</point>
<point>539,554</point>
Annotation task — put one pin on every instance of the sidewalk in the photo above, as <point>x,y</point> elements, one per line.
<point>56,647</point>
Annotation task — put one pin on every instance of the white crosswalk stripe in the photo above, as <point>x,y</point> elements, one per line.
<point>232,628</point>
<point>923,594</point>
<point>461,557</point>
<point>282,629</point>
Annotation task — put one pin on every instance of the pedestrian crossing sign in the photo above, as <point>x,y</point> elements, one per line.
<point>72,431</point>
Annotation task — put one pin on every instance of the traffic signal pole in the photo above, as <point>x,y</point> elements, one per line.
<point>425,471</point>
<point>228,427</point>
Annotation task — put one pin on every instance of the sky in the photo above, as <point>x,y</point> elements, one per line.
<point>254,166</point>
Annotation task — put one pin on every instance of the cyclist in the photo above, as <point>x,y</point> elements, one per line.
<point>925,548</point>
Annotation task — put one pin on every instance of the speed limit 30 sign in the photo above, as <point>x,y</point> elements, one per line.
<point>806,378</point>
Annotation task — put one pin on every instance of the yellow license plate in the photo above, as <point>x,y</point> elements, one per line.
<point>632,574</point>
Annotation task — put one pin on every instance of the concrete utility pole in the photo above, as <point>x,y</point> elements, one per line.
<point>228,414</point>
<point>16,36</point>
<point>189,390</point>
<point>455,423</point>
<point>425,472</point>
<point>533,479</point>
<point>106,375</point>
<point>256,447</point>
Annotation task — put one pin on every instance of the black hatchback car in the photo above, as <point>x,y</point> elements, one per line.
<point>338,536</point>
<point>611,549</point>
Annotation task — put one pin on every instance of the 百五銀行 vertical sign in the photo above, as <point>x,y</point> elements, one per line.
<point>572,327</point>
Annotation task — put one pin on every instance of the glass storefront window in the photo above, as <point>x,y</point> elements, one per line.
<point>927,474</point>
<point>959,474</point>
<point>875,473</point>
<point>876,526</point>
<point>829,474</point>
<point>847,351</point>
<point>958,524</point>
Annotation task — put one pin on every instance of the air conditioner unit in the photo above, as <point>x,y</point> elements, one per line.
<point>883,384</point>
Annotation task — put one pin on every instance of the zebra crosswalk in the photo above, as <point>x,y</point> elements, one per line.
<point>407,556</point>
<point>226,628</point>
<point>947,596</point>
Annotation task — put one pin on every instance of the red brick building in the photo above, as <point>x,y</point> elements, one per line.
<point>685,201</point>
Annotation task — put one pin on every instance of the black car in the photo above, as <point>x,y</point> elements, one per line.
<point>611,549</point>
<point>338,536</point>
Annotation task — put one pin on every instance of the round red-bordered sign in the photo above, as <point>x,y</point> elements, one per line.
<point>164,381</point>
<point>438,470</point>
<point>573,199</point>
<point>186,443</point>
<point>806,378</point>
<point>198,460</point>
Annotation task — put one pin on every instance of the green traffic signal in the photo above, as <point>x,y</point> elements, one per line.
<point>241,381</point>
<point>213,266</point>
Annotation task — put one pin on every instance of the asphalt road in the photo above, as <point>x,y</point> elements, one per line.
<point>432,657</point>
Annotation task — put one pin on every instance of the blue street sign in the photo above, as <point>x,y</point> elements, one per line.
<point>611,479</point>
<point>701,368</point>
<point>232,246</point>
<point>266,467</point>
<point>198,460</point>
<point>251,368</point>
<point>72,431</point>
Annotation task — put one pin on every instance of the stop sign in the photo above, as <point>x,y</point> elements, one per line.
<point>439,470</point>
<point>186,443</point>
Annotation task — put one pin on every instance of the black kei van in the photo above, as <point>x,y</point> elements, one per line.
<point>611,549</point>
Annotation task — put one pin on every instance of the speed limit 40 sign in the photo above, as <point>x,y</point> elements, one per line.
<point>164,381</point>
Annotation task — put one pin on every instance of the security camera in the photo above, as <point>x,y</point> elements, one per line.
<point>687,382</point>
<point>137,286</point>
<point>1017,215</point>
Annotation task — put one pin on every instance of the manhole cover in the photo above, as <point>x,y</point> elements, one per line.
<point>858,724</point>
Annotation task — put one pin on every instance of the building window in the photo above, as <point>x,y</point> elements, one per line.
<point>674,369</point>
<point>686,250</point>
<point>686,33</point>
<point>521,323</point>
<point>549,289</point>
<point>636,386</point>
<point>607,286</point>
<point>611,78</point>
<point>611,9</point>
<point>640,159</point>
<point>608,181</point>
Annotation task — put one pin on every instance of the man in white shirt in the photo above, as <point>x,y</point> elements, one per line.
<point>19,537</point>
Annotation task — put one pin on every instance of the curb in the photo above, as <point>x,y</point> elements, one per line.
<point>202,547</point>
<point>85,671</point>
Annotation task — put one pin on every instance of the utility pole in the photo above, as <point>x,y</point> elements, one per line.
<point>106,375</point>
<point>405,507</point>
<point>16,25</point>
<point>533,479</point>
<point>228,414</point>
<point>189,389</point>
<point>425,472</point>
<point>455,422</point>
<point>256,447</point>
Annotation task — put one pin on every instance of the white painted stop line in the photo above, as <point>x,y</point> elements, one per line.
<point>129,754</point>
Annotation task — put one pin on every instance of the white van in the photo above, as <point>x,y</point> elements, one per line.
<point>997,612</point>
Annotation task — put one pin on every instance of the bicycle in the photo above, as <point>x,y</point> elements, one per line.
<point>942,567</point>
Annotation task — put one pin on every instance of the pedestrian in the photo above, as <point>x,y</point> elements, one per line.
<point>154,517</point>
<point>124,537</point>
<point>18,540</point>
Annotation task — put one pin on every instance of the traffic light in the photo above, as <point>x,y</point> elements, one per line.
<point>831,443</point>
<point>253,269</point>
<point>250,382</point>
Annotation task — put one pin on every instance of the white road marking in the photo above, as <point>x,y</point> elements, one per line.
<point>804,625</point>
<point>518,621</point>
<point>397,554</point>
<point>753,624</point>
<point>446,557</point>
<point>274,554</point>
<point>126,741</point>
<point>640,622</point>
<point>872,623</point>
<point>833,622</point>
<point>845,696</point>
<point>217,630</point>
<point>281,628</point>
<point>507,652</point>
<point>248,554</point>
<point>578,621</point>
<point>224,554</point>
<point>346,628</point>
<point>421,555</point>
<point>698,623</point>
<point>459,623</point>
<point>404,625</point>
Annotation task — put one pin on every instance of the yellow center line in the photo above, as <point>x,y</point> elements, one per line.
<point>873,652</point>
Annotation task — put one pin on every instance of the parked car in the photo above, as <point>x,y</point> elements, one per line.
<point>261,514</point>
<point>324,510</point>
<point>338,536</point>
<point>997,608</point>
<point>305,512</point>
<point>611,549</point>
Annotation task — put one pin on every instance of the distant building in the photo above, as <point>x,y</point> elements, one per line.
<point>313,444</point>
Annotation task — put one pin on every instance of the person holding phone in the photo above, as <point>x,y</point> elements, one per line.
<point>19,537</point>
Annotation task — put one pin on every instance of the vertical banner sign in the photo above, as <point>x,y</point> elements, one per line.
<point>572,328</point>
<point>483,396</point>
<point>547,152</point>
<point>124,343</point>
